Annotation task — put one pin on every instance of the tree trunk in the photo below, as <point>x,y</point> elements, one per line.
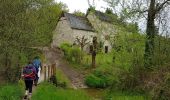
<point>150,31</point>
<point>94,52</point>
<point>93,59</point>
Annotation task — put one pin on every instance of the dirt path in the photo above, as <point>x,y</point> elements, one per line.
<point>56,56</point>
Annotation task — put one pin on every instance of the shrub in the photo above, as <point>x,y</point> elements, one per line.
<point>75,53</point>
<point>94,81</point>
<point>72,54</point>
<point>101,77</point>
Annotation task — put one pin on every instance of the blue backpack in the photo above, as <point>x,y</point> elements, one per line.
<point>36,63</point>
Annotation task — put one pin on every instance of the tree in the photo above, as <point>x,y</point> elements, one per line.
<point>64,7</point>
<point>148,9</point>
<point>82,42</point>
<point>153,10</point>
<point>94,52</point>
<point>91,4</point>
<point>25,23</point>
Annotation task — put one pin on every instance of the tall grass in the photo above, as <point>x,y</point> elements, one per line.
<point>117,95</point>
<point>11,92</point>
<point>62,78</point>
<point>47,91</point>
<point>102,59</point>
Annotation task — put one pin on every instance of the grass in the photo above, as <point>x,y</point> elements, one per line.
<point>47,91</point>
<point>117,95</point>
<point>101,59</point>
<point>61,78</point>
<point>11,92</point>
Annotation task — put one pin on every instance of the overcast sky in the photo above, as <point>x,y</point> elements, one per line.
<point>82,5</point>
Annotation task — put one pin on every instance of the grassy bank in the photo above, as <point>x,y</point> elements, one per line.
<point>47,91</point>
<point>62,79</point>
<point>11,92</point>
<point>118,95</point>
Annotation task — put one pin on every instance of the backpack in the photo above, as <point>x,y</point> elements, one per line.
<point>37,63</point>
<point>28,72</point>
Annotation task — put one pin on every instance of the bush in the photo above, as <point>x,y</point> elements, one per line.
<point>72,54</point>
<point>94,81</point>
<point>101,77</point>
<point>158,83</point>
<point>75,53</point>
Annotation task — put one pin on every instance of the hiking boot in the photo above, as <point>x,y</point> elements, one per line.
<point>29,96</point>
<point>25,97</point>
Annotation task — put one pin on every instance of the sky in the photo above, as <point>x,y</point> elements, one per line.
<point>82,5</point>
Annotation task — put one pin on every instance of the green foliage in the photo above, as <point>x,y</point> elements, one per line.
<point>47,91</point>
<point>79,13</point>
<point>91,8</point>
<point>161,52</point>
<point>72,54</point>
<point>102,77</point>
<point>62,79</point>
<point>109,11</point>
<point>128,57</point>
<point>118,68</point>
<point>24,24</point>
<point>11,92</point>
<point>117,95</point>
<point>105,61</point>
<point>128,50</point>
<point>94,81</point>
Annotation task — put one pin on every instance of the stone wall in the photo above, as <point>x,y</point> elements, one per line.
<point>88,34</point>
<point>64,33</point>
<point>104,29</point>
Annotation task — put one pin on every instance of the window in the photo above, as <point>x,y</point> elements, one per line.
<point>106,49</point>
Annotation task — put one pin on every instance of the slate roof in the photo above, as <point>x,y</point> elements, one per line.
<point>103,16</point>
<point>78,22</point>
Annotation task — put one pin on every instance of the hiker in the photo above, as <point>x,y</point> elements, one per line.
<point>29,74</point>
<point>37,65</point>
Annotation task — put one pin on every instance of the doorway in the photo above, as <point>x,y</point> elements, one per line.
<point>106,49</point>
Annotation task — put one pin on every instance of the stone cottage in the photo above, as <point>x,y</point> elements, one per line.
<point>70,27</point>
<point>102,23</point>
<point>93,24</point>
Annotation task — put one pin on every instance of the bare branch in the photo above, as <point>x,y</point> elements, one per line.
<point>82,41</point>
<point>159,7</point>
